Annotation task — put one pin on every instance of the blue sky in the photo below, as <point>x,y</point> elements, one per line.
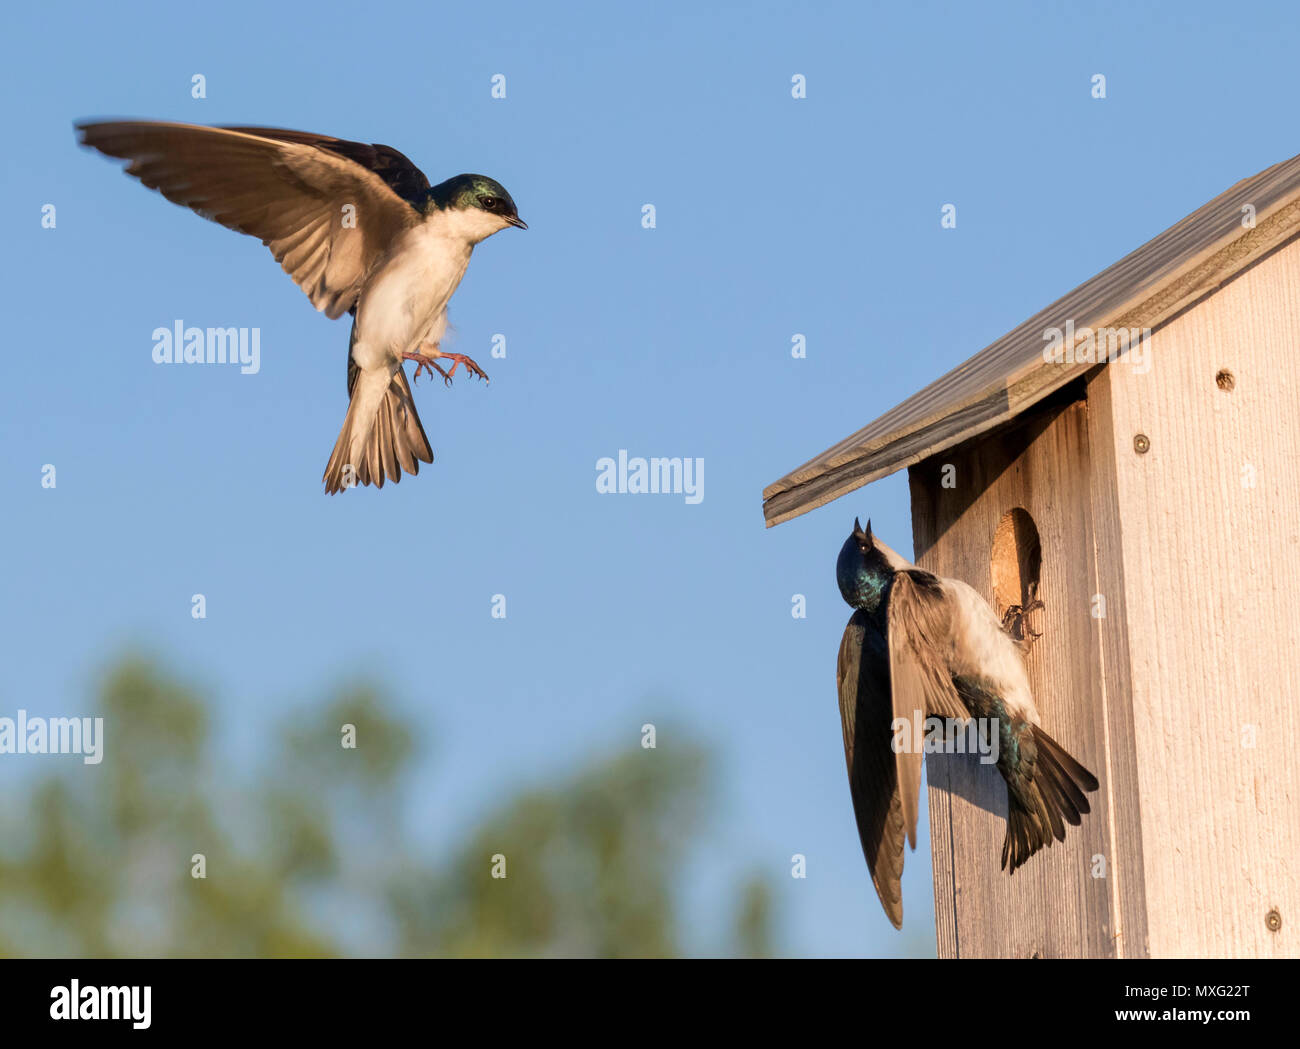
<point>775,216</point>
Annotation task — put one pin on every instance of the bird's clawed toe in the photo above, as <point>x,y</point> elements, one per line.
<point>422,362</point>
<point>429,361</point>
<point>1015,621</point>
<point>470,366</point>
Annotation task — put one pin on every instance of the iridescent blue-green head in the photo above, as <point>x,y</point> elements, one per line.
<point>861,570</point>
<point>480,203</point>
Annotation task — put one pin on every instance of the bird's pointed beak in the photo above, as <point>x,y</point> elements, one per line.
<point>515,220</point>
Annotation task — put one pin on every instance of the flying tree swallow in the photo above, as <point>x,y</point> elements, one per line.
<point>920,645</point>
<point>361,231</point>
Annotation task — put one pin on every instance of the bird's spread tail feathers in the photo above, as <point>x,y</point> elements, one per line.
<point>381,435</point>
<point>1039,806</point>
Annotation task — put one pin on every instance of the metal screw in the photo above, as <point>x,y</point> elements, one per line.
<point>1273,920</point>
<point>1141,444</point>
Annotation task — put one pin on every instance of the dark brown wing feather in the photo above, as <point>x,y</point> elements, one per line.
<point>919,625</point>
<point>396,169</point>
<point>862,679</point>
<point>289,194</point>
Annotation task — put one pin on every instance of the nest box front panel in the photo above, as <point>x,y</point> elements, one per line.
<point>1011,514</point>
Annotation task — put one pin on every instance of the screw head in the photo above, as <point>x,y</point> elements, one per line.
<point>1141,444</point>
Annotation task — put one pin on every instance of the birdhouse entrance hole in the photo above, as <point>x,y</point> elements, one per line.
<point>1017,562</point>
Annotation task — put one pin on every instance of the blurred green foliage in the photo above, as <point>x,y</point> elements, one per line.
<point>307,856</point>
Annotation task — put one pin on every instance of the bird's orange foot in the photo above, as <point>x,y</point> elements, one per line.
<point>422,362</point>
<point>427,361</point>
<point>458,359</point>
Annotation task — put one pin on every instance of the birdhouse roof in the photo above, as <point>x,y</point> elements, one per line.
<point>1187,261</point>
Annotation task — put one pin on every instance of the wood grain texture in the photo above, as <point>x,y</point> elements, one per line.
<point>1126,870</point>
<point>1211,593</point>
<point>1142,290</point>
<point>1053,906</point>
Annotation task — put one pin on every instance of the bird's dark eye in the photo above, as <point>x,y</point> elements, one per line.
<point>489,203</point>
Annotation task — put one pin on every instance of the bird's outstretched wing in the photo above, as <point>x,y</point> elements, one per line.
<point>866,714</point>
<point>919,627</point>
<point>395,168</point>
<point>326,215</point>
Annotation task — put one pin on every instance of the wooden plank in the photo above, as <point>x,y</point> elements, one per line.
<point>1053,906</point>
<point>1126,871</point>
<point>1148,286</point>
<point>1211,574</point>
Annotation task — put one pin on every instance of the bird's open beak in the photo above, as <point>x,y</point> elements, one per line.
<point>515,220</point>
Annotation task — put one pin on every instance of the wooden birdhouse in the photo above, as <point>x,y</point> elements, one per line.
<point>1129,456</point>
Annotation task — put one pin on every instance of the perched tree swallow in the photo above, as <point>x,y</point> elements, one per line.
<point>360,230</point>
<point>920,645</point>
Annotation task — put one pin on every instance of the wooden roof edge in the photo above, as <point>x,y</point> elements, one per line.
<point>1000,406</point>
<point>861,461</point>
